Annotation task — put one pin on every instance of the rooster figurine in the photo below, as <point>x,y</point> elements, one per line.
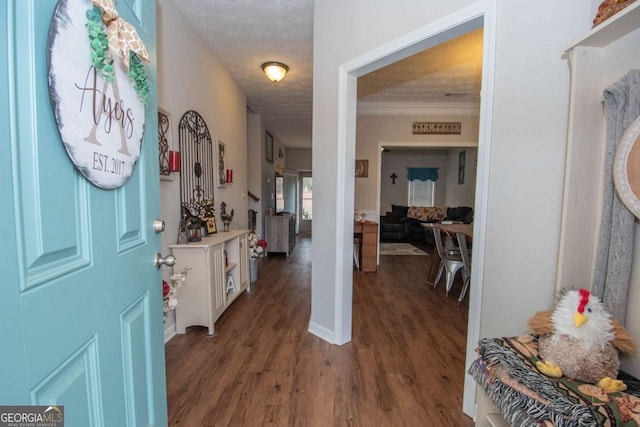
<point>580,340</point>
<point>226,218</point>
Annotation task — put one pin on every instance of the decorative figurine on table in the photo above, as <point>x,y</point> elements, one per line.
<point>226,218</point>
<point>183,236</point>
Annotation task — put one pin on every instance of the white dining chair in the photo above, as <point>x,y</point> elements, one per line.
<point>466,261</point>
<point>450,260</point>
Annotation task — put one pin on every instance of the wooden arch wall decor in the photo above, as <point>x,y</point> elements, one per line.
<point>196,162</point>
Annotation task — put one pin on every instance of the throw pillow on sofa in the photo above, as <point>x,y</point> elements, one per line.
<point>393,217</point>
<point>462,213</point>
<point>399,209</point>
<point>423,213</point>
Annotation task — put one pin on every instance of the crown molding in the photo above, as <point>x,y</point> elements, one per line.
<point>418,109</point>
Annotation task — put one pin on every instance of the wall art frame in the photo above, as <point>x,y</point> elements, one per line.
<point>165,143</point>
<point>222,163</point>
<point>197,162</point>
<point>461,164</point>
<point>268,138</point>
<point>362,168</point>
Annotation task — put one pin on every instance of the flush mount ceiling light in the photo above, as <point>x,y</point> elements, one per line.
<point>275,71</point>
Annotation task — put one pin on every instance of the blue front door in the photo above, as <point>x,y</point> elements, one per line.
<point>81,316</point>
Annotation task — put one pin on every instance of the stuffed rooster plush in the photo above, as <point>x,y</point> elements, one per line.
<point>580,340</point>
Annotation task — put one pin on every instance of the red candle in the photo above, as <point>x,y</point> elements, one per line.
<point>174,161</point>
<point>230,175</point>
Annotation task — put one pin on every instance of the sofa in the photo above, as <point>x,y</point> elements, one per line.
<point>404,223</point>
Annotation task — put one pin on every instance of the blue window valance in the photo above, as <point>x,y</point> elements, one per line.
<point>422,174</point>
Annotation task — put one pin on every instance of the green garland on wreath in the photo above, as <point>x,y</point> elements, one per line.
<point>139,77</point>
<point>103,62</point>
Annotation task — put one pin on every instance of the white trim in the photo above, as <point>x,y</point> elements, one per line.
<point>481,205</point>
<point>433,34</point>
<point>340,205</point>
<point>321,332</point>
<point>378,197</point>
<point>169,333</point>
<point>345,167</point>
<point>432,109</point>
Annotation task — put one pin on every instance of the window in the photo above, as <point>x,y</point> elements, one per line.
<point>307,198</point>
<point>421,193</point>
<point>279,193</point>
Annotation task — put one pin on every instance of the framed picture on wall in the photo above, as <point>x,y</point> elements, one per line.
<point>269,146</point>
<point>461,162</point>
<point>222,161</point>
<point>362,168</point>
<point>164,144</point>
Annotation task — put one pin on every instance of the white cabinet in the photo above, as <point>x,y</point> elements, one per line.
<point>600,59</point>
<point>218,273</point>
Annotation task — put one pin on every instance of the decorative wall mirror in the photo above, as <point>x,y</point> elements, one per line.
<point>626,168</point>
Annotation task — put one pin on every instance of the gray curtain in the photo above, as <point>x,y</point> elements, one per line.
<point>615,250</point>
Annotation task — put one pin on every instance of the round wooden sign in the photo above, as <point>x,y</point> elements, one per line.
<point>100,120</point>
<point>626,168</point>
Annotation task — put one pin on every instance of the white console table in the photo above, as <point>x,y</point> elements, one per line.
<point>218,273</point>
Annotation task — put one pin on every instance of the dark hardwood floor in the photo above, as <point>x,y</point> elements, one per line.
<point>403,367</point>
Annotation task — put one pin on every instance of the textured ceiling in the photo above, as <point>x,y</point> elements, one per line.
<point>242,34</point>
<point>449,72</point>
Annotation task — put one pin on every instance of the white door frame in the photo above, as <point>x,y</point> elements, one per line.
<point>481,14</point>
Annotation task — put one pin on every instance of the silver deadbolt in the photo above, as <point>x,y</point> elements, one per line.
<point>158,225</point>
<point>169,260</point>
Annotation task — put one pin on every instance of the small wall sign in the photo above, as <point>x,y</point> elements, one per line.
<point>437,128</point>
<point>99,113</point>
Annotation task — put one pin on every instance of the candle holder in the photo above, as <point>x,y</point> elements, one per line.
<point>194,229</point>
<point>174,161</point>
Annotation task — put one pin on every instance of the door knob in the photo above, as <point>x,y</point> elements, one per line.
<point>169,260</point>
<point>158,225</point>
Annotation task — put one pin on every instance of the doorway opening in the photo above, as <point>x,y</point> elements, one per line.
<point>479,15</point>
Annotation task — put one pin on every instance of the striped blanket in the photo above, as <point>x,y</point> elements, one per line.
<point>506,370</point>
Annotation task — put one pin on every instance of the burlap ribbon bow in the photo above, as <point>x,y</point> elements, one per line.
<point>122,36</point>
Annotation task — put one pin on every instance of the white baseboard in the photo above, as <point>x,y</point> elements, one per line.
<point>169,332</point>
<point>321,332</point>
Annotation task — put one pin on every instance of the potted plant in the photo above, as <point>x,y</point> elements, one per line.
<point>257,248</point>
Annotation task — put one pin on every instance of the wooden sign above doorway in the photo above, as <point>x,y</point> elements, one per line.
<point>437,128</point>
